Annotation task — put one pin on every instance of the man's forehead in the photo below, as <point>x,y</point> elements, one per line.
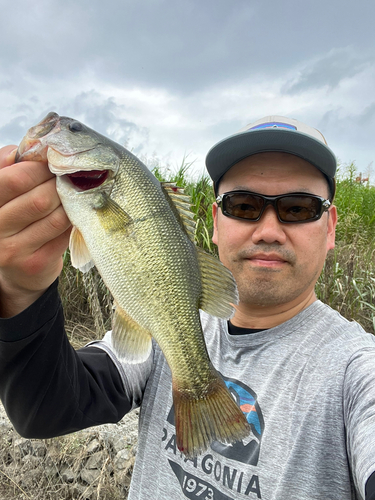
<point>273,163</point>
<point>274,169</point>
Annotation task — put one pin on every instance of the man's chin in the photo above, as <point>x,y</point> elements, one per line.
<point>264,292</point>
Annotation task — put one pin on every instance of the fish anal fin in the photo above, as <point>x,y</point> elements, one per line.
<point>202,419</point>
<point>79,254</point>
<point>131,342</point>
<point>219,290</point>
<point>181,207</point>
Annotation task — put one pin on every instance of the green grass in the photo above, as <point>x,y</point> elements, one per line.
<point>356,209</point>
<point>202,196</point>
<point>347,282</point>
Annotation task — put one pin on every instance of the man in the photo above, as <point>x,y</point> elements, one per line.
<point>302,374</point>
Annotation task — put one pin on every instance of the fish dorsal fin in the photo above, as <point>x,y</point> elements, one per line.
<point>181,206</point>
<point>219,290</point>
<point>131,343</point>
<point>79,255</point>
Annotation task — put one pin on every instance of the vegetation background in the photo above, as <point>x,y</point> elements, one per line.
<point>347,283</point>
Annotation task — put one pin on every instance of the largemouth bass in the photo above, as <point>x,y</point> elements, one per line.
<point>139,233</point>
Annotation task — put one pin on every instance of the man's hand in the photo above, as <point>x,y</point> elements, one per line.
<point>34,232</point>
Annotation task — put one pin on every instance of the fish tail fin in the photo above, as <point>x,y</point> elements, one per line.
<point>212,416</point>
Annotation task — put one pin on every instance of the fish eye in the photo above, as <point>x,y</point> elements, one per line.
<point>76,127</point>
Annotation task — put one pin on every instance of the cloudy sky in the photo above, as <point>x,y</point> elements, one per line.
<point>169,78</point>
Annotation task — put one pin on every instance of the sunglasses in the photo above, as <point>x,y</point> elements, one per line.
<point>293,208</point>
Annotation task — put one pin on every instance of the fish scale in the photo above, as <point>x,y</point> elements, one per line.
<point>139,233</point>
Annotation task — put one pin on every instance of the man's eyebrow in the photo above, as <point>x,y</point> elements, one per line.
<point>299,190</point>
<point>241,188</point>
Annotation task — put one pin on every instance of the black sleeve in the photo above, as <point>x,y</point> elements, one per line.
<point>47,388</point>
<point>370,488</point>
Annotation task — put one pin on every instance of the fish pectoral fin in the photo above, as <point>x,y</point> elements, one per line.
<point>131,342</point>
<point>112,217</point>
<point>79,255</point>
<point>219,290</point>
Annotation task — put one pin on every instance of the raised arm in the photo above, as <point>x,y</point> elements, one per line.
<point>47,387</point>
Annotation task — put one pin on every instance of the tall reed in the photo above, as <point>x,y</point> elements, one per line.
<point>347,282</point>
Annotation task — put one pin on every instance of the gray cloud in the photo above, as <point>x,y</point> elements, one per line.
<point>180,45</point>
<point>328,71</point>
<point>92,108</point>
<point>103,114</point>
<point>367,117</point>
<point>201,69</point>
<point>12,131</point>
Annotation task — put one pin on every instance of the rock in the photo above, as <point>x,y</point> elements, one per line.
<point>29,462</point>
<point>21,448</point>
<point>68,475</point>
<point>121,461</point>
<point>95,461</point>
<point>38,448</point>
<point>31,471</point>
<point>5,426</point>
<point>79,471</point>
<point>117,443</point>
<point>50,468</point>
<point>30,478</point>
<point>93,446</point>
<point>82,492</point>
<point>89,476</point>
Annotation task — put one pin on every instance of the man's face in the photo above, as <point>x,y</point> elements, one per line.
<point>274,263</point>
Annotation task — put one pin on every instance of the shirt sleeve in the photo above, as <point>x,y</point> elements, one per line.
<point>359,415</point>
<point>49,389</point>
<point>370,487</point>
<point>133,376</point>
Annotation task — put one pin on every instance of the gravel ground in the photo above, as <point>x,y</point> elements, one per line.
<point>92,464</point>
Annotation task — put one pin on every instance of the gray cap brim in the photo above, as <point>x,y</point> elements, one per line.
<point>235,148</point>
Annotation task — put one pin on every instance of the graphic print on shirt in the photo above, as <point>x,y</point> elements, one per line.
<point>226,472</point>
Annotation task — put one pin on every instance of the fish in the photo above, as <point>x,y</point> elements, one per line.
<point>139,233</point>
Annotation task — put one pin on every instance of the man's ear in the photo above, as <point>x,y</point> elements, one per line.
<point>215,210</point>
<point>331,227</point>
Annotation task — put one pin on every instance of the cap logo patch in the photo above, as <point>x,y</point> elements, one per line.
<point>274,125</point>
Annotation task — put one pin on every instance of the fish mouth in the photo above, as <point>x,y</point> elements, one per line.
<point>86,180</point>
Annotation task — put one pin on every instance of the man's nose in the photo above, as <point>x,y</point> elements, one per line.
<point>269,229</point>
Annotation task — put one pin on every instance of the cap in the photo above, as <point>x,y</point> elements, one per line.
<point>273,133</point>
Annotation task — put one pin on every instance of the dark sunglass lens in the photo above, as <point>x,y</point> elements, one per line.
<point>243,205</point>
<point>298,208</point>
